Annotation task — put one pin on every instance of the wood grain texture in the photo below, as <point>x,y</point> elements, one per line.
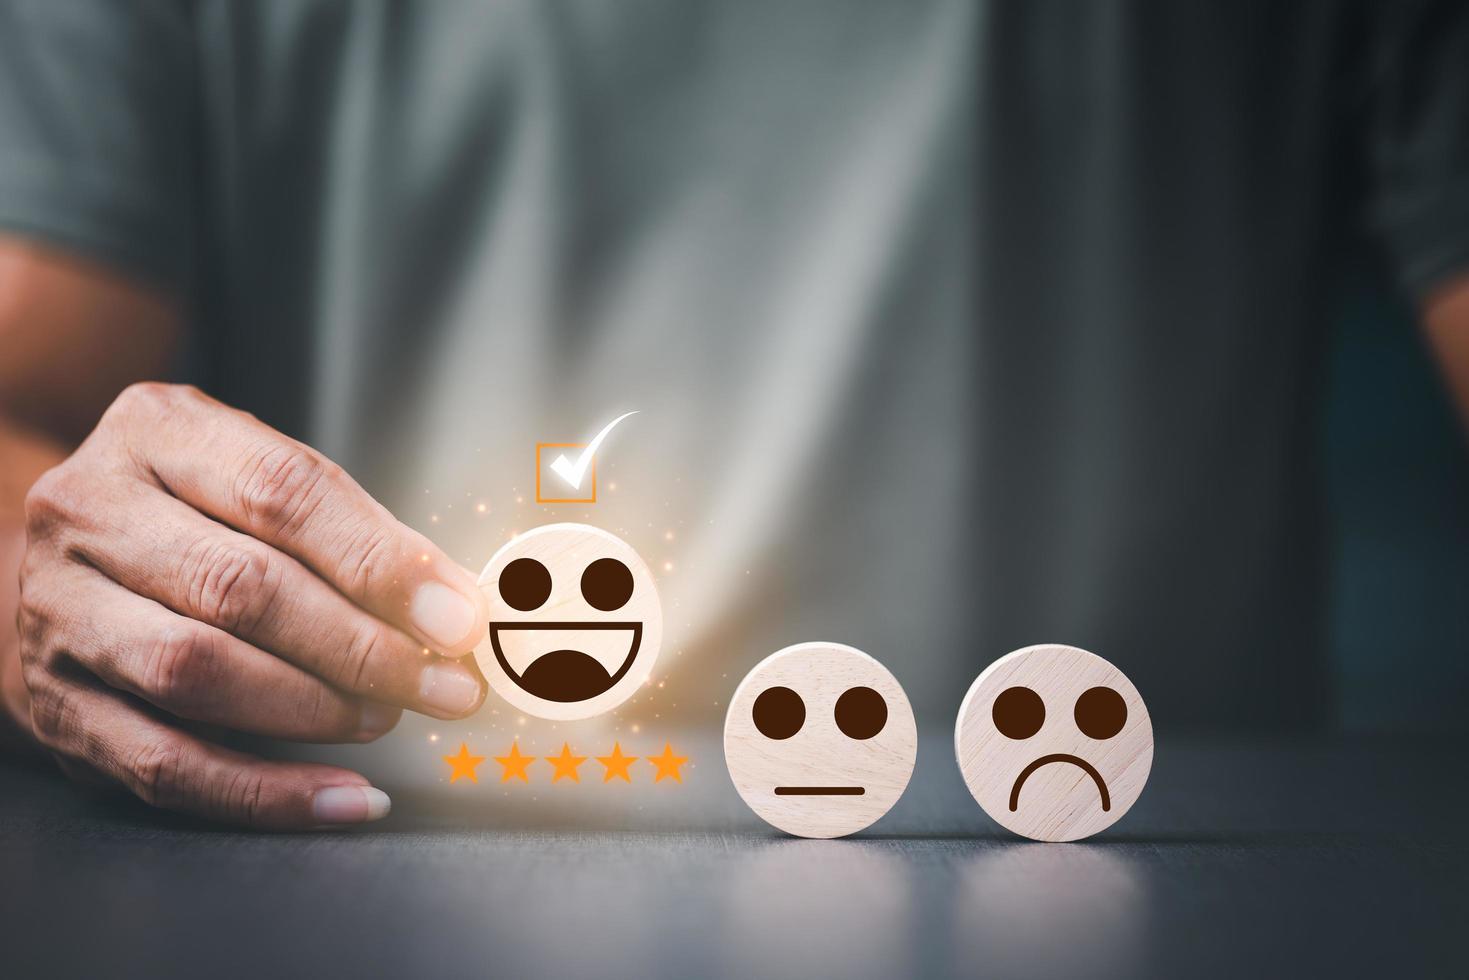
<point>820,781</point>
<point>566,551</point>
<point>1048,779</point>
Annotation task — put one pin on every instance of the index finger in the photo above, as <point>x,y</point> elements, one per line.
<point>233,467</point>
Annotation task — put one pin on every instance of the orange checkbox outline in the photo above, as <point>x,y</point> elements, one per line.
<point>564,500</point>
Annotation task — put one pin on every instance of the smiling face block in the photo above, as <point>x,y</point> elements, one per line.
<point>575,622</point>
<point>1054,742</point>
<point>820,740</point>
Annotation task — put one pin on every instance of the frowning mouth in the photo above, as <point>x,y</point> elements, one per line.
<point>566,675</point>
<point>1085,766</point>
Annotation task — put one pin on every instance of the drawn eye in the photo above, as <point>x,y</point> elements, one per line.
<point>861,712</point>
<point>1100,713</point>
<point>1019,712</point>
<point>779,712</point>
<point>606,584</point>
<point>525,584</point>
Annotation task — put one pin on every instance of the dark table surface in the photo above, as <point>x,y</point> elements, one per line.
<point>1242,858</point>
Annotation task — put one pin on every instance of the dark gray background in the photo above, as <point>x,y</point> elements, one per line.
<point>1398,487</point>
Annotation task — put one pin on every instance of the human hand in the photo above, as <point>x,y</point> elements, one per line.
<point>189,564</point>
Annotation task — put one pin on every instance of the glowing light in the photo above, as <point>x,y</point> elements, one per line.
<point>433,736</point>
<point>668,566</point>
<point>668,535</point>
<point>481,508</point>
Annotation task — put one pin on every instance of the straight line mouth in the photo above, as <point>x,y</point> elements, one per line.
<point>819,791</point>
<point>567,625</point>
<point>1081,763</point>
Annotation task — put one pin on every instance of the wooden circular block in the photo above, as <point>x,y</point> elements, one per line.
<point>1054,742</point>
<point>820,740</point>
<point>575,622</point>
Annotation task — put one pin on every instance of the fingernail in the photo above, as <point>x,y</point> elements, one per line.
<point>350,804</point>
<point>442,614</point>
<point>375,719</point>
<point>447,688</point>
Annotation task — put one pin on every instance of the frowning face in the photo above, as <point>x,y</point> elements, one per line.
<point>820,740</point>
<point>575,622</point>
<point>1054,742</point>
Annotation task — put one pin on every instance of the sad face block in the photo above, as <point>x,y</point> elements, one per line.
<point>820,740</point>
<point>1054,742</point>
<point>575,622</point>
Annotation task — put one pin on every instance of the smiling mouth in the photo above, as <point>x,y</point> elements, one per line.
<point>565,675</point>
<point>1085,766</point>
<point>819,791</point>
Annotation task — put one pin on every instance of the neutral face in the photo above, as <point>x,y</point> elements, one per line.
<point>575,622</point>
<point>820,740</point>
<point>1054,742</point>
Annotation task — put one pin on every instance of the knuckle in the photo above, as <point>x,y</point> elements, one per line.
<point>31,621</point>
<point>353,670</point>
<point>242,796</point>
<point>320,711</point>
<point>50,500</point>
<point>53,716</point>
<point>148,398</point>
<point>140,400</point>
<point>41,633</point>
<point>280,488</point>
<point>140,411</point>
<point>156,773</point>
<point>230,585</point>
<point>371,555</point>
<point>181,668</point>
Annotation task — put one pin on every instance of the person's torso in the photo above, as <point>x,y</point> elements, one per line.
<point>951,327</point>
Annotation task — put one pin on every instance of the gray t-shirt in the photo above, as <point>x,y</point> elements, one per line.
<point>952,326</point>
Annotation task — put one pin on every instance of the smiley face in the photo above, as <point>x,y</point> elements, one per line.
<point>575,622</point>
<point>1054,742</point>
<point>820,740</point>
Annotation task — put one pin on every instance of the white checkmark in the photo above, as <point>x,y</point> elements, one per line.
<point>573,473</point>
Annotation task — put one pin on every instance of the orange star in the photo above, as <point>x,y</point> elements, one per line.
<point>668,764</point>
<point>565,764</point>
<point>462,765</point>
<point>617,764</point>
<point>515,764</point>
